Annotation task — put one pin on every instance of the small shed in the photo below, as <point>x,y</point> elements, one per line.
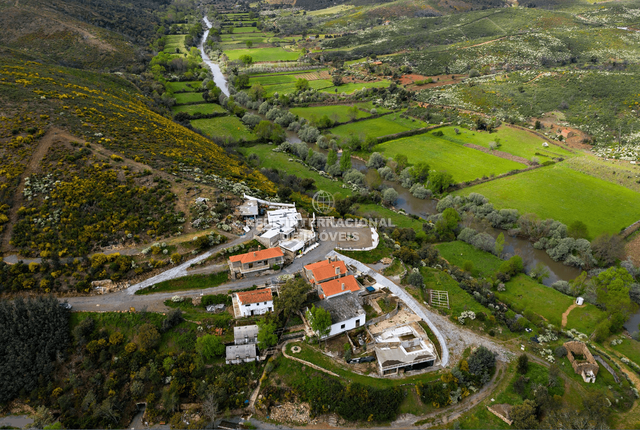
<point>580,301</point>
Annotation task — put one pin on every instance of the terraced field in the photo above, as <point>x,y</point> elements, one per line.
<point>378,127</point>
<point>185,98</point>
<point>204,108</point>
<point>264,54</point>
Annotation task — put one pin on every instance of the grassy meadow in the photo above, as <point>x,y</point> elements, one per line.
<point>185,98</point>
<point>203,108</point>
<point>227,126</point>
<point>378,127</point>
<point>263,54</point>
<point>458,252</point>
<point>339,111</point>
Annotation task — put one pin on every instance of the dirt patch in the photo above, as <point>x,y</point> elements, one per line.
<point>438,80</point>
<point>632,249</point>
<point>573,137</point>
<point>565,315</point>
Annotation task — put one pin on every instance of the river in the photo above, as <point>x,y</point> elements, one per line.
<point>218,77</point>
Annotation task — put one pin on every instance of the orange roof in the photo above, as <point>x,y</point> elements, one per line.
<point>250,257</point>
<point>256,296</point>
<point>326,269</point>
<point>331,288</point>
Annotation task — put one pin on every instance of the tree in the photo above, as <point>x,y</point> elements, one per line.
<point>608,248</point>
<point>302,84</point>
<point>524,415</point>
<point>352,112</point>
<point>266,334</point>
<point>481,361</point>
<point>270,132</point>
<point>332,158</point>
<point>415,279</point>
<point>209,346</point>
<point>448,223</point>
<point>389,196</point>
<point>249,44</point>
<point>373,179</point>
<point>345,161</point>
<point>291,296</point>
<point>336,80</point>
<point>242,81</point>
<point>148,336</point>
<point>246,59</point>
<point>420,172</point>
<point>210,408</point>
<point>376,160</point>
<point>320,321</point>
<point>343,206</point>
<point>612,290</point>
<point>257,91</point>
<point>499,246</point>
<point>402,161</point>
<point>578,230</point>
<point>440,181</point>
<point>523,364</point>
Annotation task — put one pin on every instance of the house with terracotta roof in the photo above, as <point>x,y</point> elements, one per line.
<point>338,286</point>
<point>249,303</point>
<point>255,261</point>
<point>325,270</point>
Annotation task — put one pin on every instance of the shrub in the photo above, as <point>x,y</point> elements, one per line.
<point>389,196</point>
<point>148,336</point>
<point>210,346</point>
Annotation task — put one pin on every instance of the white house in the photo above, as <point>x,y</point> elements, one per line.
<point>250,303</point>
<point>245,334</point>
<point>236,354</point>
<point>346,313</point>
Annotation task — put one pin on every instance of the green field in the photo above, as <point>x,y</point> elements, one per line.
<point>316,112</point>
<point>458,252</point>
<point>280,161</point>
<point>183,86</point>
<point>526,294</point>
<point>378,127</point>
<point>291,87</point>
<point>512,140</point>
<point>227,126</point>
<point>184,98</point>
<point>204,108</point>
<point>175,41</point>
<point>272,80</point>
<point>264,54</point>
<point>629,348</point>
<point>351,87</point>
<point>585,319</point>
<point>245,29</point>
<point>371,210</point>
<point>566,195</point>
<point>459,299</point>
<point>465,164</point>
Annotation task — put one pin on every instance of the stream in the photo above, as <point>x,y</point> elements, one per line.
<point>218,77</point>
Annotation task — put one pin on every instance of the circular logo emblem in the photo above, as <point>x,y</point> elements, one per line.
<point>323,202</point>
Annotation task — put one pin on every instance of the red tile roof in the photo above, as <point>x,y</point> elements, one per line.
<point>256,296</point>
<point>326,269</point>
<point>250,257</point>
<point>334,287</point>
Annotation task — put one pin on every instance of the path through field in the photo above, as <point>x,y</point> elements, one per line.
<point>565,315</point>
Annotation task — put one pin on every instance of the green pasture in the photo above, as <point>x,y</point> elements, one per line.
<point>280,161</point>
<point>317,112</point>
<point>585,318</point>
<point>370,210</point>
<point>183,86</point>
<point>458,252</point>
<point>227,126</point>
<point>272,80</point>
<point>203,108</point>
<point>378,127</point>
<point>465,164</point>
<point>566,195</point>
<point>184,98</point>
<point>175,41</point>
<point>459,299</point>
<point>290,88</point>
<point>264,54</point>
<point>630,348</point>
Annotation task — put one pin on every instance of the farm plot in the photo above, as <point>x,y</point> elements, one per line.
<point>183,86</point>
<point>351,87</point>
<point>186,98</point>
<point>264,54</point>
<point>175,44</point>
<point>280,161</point>
<point>378,127</point>
<point>566,195</point>
<point>224,127</point>
<point>313,76</point>
<point>511,140</point>
<point>465,164</point>
<point>336,112</point>
<point>458,252</point>
<point>291,87</point>
<point>203,108</point>
<point>272,80</point>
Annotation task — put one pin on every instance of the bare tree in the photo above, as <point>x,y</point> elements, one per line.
<point>210,409</point>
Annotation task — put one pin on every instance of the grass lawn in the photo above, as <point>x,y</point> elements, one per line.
<point>459,299</point>
<point>272,80</point>
<point>369,257</point>
<point>290,88</point>
<point>351,87</point>
<point>184,98</point>
<point>526,294</point>
<point>280,161</point>
<point>264,54</point>
<point>191,282</point>
<point>378,127</point>
<point>458,252</point>
<point>175,41</point>
<point>226,126</point>
<point>184,86</point>
<point>566,195</point>
<point>629,348</point>
<point>316,112</point>
<point>512,140</point>
<point>465,164</point>
<point>204,108</point>
<point>371,210</point>
<point>585,319</point>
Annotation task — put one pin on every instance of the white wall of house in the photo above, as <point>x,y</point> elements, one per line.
<point>257,308</point>
<point>347,325</point>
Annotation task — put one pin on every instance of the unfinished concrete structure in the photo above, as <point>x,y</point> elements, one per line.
<point>402,348</point>
<point>502,411</point>
<point>582,361</point>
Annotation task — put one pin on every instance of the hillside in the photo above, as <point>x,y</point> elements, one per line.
<point>105,142</point>
<point>84,34</point>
